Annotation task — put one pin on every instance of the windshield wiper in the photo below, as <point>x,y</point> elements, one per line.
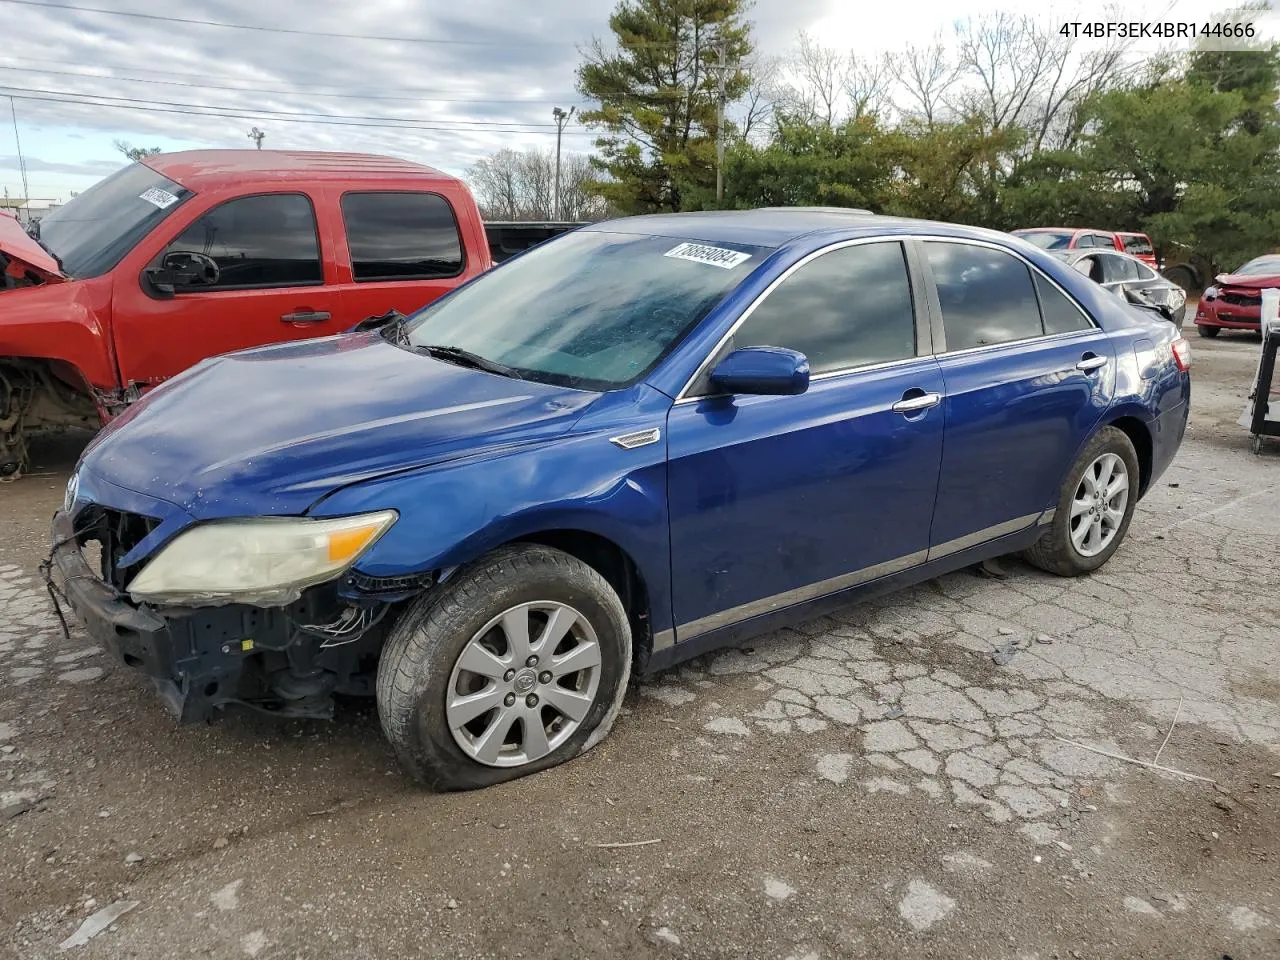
<point>467,359</point>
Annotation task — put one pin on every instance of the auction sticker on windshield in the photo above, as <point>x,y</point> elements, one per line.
<point>161,198</point>
<point>712,256</point>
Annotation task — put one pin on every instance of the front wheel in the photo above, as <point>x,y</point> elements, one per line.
<point>1207,331</point>
<point>518,663</point>
<point>1094,509</point>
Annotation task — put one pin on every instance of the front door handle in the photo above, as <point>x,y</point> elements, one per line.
<point>305,316</point>
<point>915,404</point>
<point>1091,363</point>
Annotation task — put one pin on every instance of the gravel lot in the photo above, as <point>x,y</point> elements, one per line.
<point>892,781</point>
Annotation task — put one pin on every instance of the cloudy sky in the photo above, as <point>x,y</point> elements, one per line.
<point>439,82</point>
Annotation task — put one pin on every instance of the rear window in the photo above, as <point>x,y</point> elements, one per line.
<point>1047,239</point>
<point>401,236</point>
<point>1137,245</point>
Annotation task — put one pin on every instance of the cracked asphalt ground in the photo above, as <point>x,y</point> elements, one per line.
<point>903,779</point>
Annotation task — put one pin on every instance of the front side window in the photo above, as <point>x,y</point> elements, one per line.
<point>847,308</point>
<point>986,295</point>
<point>1118,270</point>
<point>590,309</point>
<point>262,241</point>
<point>93,232</point>
<point>401,236</point>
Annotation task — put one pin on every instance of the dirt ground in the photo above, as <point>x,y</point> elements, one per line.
<point>893,781</point>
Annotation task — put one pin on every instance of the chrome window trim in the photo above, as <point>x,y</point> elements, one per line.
<point>684,397</point>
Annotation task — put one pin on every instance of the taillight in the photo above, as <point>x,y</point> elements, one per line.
<point>1181,354</point>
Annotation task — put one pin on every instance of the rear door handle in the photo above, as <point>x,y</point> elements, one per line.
<point>916,404</point>
<point>1091,363</point>
<point>305,316</point>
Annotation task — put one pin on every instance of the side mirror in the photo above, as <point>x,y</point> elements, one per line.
<point>762,371</point>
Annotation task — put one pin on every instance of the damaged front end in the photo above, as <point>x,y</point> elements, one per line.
<point>288,660</point>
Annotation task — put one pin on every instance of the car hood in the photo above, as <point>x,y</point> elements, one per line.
<point>1256,281</point>
<point>272,430</point>
<point>16,245</point>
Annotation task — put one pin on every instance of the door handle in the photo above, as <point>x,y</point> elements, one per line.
<point>916,404</point>
<point>305,316</point>
<point>1091,363</point>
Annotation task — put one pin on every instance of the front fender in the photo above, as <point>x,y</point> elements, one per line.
<point>64,322</point>
<point>455,512</point>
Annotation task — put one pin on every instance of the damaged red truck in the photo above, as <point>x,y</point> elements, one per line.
<point>185,256</point>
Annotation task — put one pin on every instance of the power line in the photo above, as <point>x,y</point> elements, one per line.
<point>319,120</point>
<point>299,90</point>
<point>308,33</point>
<point>497,125</point>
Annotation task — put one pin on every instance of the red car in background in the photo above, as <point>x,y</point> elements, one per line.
<point>1234,302</point>
<point>1062,239</point>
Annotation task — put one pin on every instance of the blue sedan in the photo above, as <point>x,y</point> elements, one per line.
<point>629,446</point>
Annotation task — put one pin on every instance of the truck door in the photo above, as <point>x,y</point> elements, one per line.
<point>255,273</point>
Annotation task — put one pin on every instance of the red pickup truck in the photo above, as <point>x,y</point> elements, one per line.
<point>188,255</point>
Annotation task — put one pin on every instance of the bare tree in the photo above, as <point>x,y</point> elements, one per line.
<point>924,76</point>
<point>520,185</point>
<point>1024,75</point>
<point>757,105</point>
<point>867,86</point>
<point>132,152</point>
<point>821,73</point>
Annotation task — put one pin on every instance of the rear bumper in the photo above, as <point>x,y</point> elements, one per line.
<point>1167,431</point>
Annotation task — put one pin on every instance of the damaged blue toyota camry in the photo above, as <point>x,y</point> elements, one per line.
<point>631,445</point>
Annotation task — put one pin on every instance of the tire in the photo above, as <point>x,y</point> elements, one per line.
<point>1207,331</point>
<point>1056,551</point>
<point>421,668</point>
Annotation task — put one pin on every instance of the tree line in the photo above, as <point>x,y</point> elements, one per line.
<point>1005,124</point>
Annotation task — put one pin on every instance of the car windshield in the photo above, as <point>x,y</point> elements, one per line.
<point>591,310</point>
<point>1260,267</point>
<point>1046,239</point>
<point>95,230</point>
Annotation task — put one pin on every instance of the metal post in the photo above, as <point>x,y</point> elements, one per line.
<point>720,127</point>
<point>22,163</point>
<point>561,118</point>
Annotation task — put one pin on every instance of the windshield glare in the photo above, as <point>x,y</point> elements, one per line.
<point>95,230</point>
<point>590,309</point>
<point>1047,239</point>
<point>1262,265</point>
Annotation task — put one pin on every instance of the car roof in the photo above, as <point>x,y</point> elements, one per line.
<point>207,169</point>
<point>775,226</point>
<point>1062,230</point>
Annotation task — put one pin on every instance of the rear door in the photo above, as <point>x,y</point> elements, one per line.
<point>262,281</point>
<point>1027,377</point>
<point>404,250</point>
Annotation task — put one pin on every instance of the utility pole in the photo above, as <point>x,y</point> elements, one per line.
<point>561,118</point>
<point>22,163</point>
<point>257,136</point>
<point>720,69</point>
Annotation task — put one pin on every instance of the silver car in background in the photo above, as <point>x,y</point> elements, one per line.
<point>1130,279</point>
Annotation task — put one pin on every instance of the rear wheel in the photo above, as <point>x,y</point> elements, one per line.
<point>518,663</point>
<point>1207,331</point>
<point>1094,508</point>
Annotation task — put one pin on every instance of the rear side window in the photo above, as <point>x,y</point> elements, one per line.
<point>1118,269</point>
<point>986,295</point>
<point>401,236</point>
<point>1138,245</point>
<point>1061,315</point>
<point>847,308</point>
<point>263,241</point>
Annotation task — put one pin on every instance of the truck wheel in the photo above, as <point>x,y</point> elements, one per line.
<point>517,663</point>
<point>1206,331</point>
<point>1094,509</point>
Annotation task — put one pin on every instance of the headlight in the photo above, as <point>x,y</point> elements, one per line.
<point>267,561</point>
<point>1210,293</point>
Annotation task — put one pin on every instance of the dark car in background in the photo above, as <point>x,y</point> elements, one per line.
<point>1234,302</point>
<point>1123,274</point>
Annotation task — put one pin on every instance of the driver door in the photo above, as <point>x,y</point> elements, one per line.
<point>262,260</point>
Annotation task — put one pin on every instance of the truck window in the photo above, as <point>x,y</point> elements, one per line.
<point>401,236</point>
<point>267,240</point>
